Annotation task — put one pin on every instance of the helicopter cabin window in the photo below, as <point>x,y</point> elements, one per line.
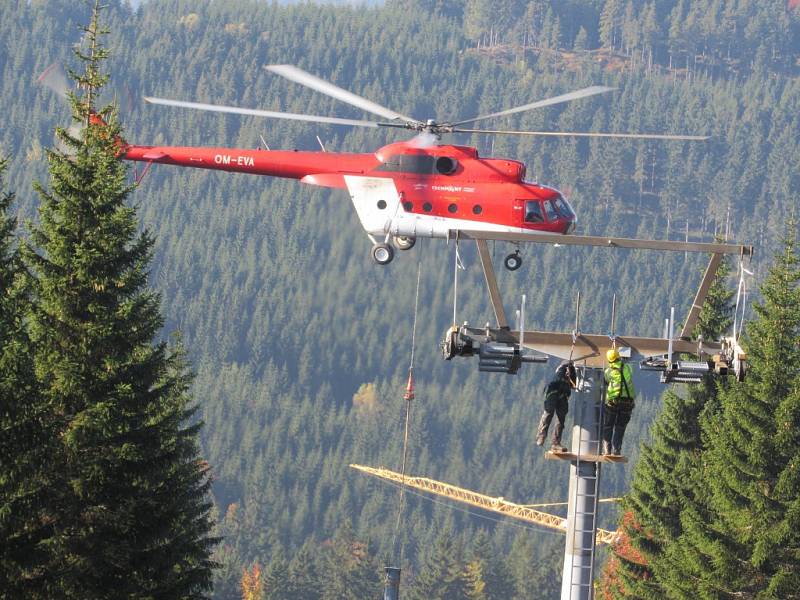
<point>550,210</point>
<point>446,165</point>
<point>563,208</point>
<point>533,212</point>
<point>419,164</point>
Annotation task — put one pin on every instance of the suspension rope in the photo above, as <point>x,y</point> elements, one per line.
<point>408,396</point>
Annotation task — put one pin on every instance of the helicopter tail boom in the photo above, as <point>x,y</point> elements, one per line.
<point>274,163</point>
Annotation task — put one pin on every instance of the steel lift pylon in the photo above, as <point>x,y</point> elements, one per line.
<point>584,488</point>
<point>503,350</point>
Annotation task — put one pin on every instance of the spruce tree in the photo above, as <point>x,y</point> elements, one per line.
<point>304,576</point>
<point>486,574</point>
<point>753,538</point>
<point>442,575</point>
<point>129,502</point>
<point>278,583</point>
<point>24,437</point>
<point>350,572</point>
<point>662,481</point>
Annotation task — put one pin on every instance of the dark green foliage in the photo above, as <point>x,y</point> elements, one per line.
<point>278,582</point>
<point>753,448</point>
<point>25,437</point>
<point>304,575</point>
<point>348,569</point>
<point>441,575</point>
<point>285,316</point>
<point>726,527</point>
<point>665,480</point>
<point>128,499</point>
<point>486,573</point>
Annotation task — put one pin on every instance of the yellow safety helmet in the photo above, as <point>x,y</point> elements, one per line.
<point>612,355</point>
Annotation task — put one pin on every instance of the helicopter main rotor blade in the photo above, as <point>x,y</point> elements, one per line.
<point>583,93</point>
<point>632,136</point>
<point>292,73</point>
<point>259,113</point>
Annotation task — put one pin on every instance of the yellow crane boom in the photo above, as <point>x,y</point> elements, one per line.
<point>496,505</point>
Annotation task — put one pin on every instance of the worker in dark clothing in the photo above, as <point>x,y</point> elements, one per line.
<point>619,402</point>
<point>556,401</point>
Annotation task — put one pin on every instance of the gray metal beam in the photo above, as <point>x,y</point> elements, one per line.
<point>607,242</point>
<point>700,297</point>
<point>491,283</point>
<point>590,348</point>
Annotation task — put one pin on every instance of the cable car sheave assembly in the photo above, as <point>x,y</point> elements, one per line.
<point>502,349</point>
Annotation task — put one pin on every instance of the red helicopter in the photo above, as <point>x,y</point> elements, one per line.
<point>408,189</point>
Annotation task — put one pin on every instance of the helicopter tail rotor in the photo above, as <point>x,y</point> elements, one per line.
<point>54,78</point>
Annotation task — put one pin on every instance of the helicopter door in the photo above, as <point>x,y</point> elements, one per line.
<point>517,212</point>
<point>527,212</point>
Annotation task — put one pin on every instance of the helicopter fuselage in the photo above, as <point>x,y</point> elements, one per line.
<point>401,189</point>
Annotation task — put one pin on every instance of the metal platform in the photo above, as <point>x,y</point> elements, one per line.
<point>595,458</point>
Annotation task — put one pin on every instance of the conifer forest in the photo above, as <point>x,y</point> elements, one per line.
<point>191,359</point>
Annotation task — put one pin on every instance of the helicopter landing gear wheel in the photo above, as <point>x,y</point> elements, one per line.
<point>513,261</point>
<point>404,242</point>
<point>382,254</point>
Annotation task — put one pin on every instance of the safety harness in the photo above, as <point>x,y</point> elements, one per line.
<point>628,398</point>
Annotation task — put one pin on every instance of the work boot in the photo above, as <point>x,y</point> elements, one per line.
<point>540,439</point>
<point>557,447</point>
<point>616,452</point>
<point>606,450</point>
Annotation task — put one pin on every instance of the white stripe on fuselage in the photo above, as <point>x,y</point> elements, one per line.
<point>367,192</point>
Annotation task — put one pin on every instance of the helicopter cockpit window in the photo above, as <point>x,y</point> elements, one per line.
<point>419,164</point>
<point>550,210</point>
<point>533,212</point>
<point>563,208</point>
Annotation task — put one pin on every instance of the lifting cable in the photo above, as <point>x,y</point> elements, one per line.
<point>741,299</point>
<point>576,331</point>
<point>408,396</point>
<point>458,265</point>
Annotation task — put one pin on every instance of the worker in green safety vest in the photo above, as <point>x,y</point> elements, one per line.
<point>618,403</point>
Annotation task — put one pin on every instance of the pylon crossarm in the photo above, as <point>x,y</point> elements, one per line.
<point>605,242</point>
<point>585,348</point>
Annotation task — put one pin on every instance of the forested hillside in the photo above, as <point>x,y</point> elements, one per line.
<point>301,343</point>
